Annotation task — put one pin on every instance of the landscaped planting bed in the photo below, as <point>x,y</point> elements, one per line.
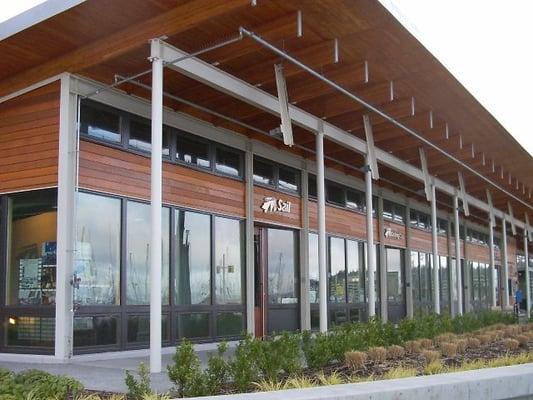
<point>346,354</point>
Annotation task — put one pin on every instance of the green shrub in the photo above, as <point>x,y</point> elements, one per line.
<point>137,389</point>
<point>36,384</point>
<point>186,372</point>
<point>244,365</point>
<point>217,372</point>
<point>317,349</point>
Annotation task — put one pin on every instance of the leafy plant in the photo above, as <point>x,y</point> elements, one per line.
<point>186,372</point>
<point>243,366</point>
<point>399,372</point>
<point>138,388</point>
<point>217,371</point>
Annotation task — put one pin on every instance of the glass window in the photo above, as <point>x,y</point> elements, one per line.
<point>423,221</point>
<point>288,179</point>
<point>337,271</point>
<point>229,324</point>
<point>95,331</point>
<point>193,258</point>
<point>139,328</point>
<point>399,213</point>
<point>30,331</point>
<point>388,210</point>
<point>312,186</point>
<point>335,194</point>
<point>355,200</point>
<point>413,219</point>
<point>282,267</point>
<point>227,162</point>
<point>263,173</point>
<point>394,260</point>
<point>425,278</point>
<point>356,282</point>
<point>193,152</point>
<point>313,268</point>
<point>31,248</point>
<point>97,261</point>
<point>140,135</point>
<point>415,276</point>
<point>100,124</point>
<point>444,280</point>
<point>228,260</point>
<point>193,325</point>
<point>138,253</point>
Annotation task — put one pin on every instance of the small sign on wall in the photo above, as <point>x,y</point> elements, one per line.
<point>390,233</point>
<point>273,205</point>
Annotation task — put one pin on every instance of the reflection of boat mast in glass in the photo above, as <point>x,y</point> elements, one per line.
<point>223,268</point>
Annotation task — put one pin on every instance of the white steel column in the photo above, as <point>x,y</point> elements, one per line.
<point>250,268</point>
<point>321,206</point>
<point>371,255</point>
<point>383,290</point>
<point>528,286</point>
<point>434,240</point>
<point>305,310</point>
<point>505,265</point>
<point>492,265</point>
<point>66,202</point>
<point>156,207</point>
<point>458,255</point>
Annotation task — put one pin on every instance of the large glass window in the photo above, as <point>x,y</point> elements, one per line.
<point>193,253</point>
<point>335,194</point>
<point>141,136</point>
<point>313,268</point>
<point>355,200</point>
<point>30,331</point>
<point>95,331</point>
<point>97,261</point>
<point>288,179</point>
<point>101,124</point>
<point>356,282</point>
<point>394,260</point>
<point>31,248</point>
<point>228,162</point>
<point>444,282</point>
<point>337,264</point>
<point>263,173</point>
<point>282,267</point>
<point>228,261</point>
<point>138,253</point>
<point>192,151</point>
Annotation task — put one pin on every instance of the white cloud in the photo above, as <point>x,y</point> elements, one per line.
<point>486,45</point>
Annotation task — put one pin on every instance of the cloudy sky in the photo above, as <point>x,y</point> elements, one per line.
<point>486,44</point>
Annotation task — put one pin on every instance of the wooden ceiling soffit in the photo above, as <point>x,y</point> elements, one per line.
<point>181,18</point>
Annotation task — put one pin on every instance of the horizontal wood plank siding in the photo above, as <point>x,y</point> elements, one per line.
<point>476,252</point>
<point>420,240</point>
<point>114,171</point>
<point>29,140</point>
<point>292,219</point>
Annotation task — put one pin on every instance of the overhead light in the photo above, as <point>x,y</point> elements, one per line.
<point>275,132</point>
<point>12,321</point>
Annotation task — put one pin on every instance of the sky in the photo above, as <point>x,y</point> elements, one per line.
<point>485,44</point>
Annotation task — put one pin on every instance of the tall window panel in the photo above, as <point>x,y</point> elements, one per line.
<point>415,277</point>
<point>355,275</point>
<point>138,253</point>
<point>97,260</point>
<point>444,283</point>
<point>337,273</point>
<point>394,275</point>
<point>193,263</point>
<point>313,268</point>
<point>228,261</point>
<point>31,248</point>
<point>282,267</point>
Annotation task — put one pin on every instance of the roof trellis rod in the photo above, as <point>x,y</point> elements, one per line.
<point>148,71</point>
<point>282,53</point>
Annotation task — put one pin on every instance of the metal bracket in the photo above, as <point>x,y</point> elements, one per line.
<point>425,170</point>
<point>370,150</point>
<point>463,193</point>
<point>283,98</point>
<point>491,209</point>
<point>513,226</point>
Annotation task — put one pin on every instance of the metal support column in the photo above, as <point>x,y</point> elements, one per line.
<point>383,297</point>
<point>371,255</point>
<point>409,301</point>
<point>250,267</point>
<point>66,215</point>
<point>528,285</point>
<point>156,207</point>
<point>458,255</point>
<point>321,206</point>
<point>435,247</point>
<point>505,265</point>
<point>492,266</point>
<point>305,312</point>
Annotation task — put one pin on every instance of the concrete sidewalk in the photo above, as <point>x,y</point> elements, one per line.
<point>106,372</point>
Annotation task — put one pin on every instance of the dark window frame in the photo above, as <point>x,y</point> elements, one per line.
<point>275,168</point>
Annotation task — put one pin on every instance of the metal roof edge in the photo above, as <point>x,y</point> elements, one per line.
<point>34,15</point>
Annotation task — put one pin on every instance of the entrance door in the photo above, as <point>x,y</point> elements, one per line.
<point>395,265</point>
<point>276,281</point>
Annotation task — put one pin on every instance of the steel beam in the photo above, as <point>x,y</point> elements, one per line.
<point>528,285</point>
<point>220,80</point>
<point>428,186</point>
<point>513,226</point>
<point>321,211</point>
<point>435,248</point>
<point>250,261</point>
<point>370,151</point>
<point>505,265</point>
<point>458,255</point>
<point>463,193</point>
<point>371,255</point>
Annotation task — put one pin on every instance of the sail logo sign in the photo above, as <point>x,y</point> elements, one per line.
<point>272,205</point>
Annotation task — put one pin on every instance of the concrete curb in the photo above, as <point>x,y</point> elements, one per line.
<point>488,384</point>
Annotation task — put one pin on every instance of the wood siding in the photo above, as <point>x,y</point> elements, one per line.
<point>476,252</point>
<point>392,241</point>
<point>292,219</point>
<point>114,171</point>
<point>29,140</point>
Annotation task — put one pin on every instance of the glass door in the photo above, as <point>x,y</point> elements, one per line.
<point>277,286</point>
<point>395,283</point>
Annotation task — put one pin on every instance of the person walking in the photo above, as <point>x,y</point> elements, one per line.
<point>519,297</point>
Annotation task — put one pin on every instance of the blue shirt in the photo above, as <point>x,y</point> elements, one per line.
<point>519,296</point>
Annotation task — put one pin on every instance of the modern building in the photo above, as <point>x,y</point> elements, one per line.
<point>201,168</point>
